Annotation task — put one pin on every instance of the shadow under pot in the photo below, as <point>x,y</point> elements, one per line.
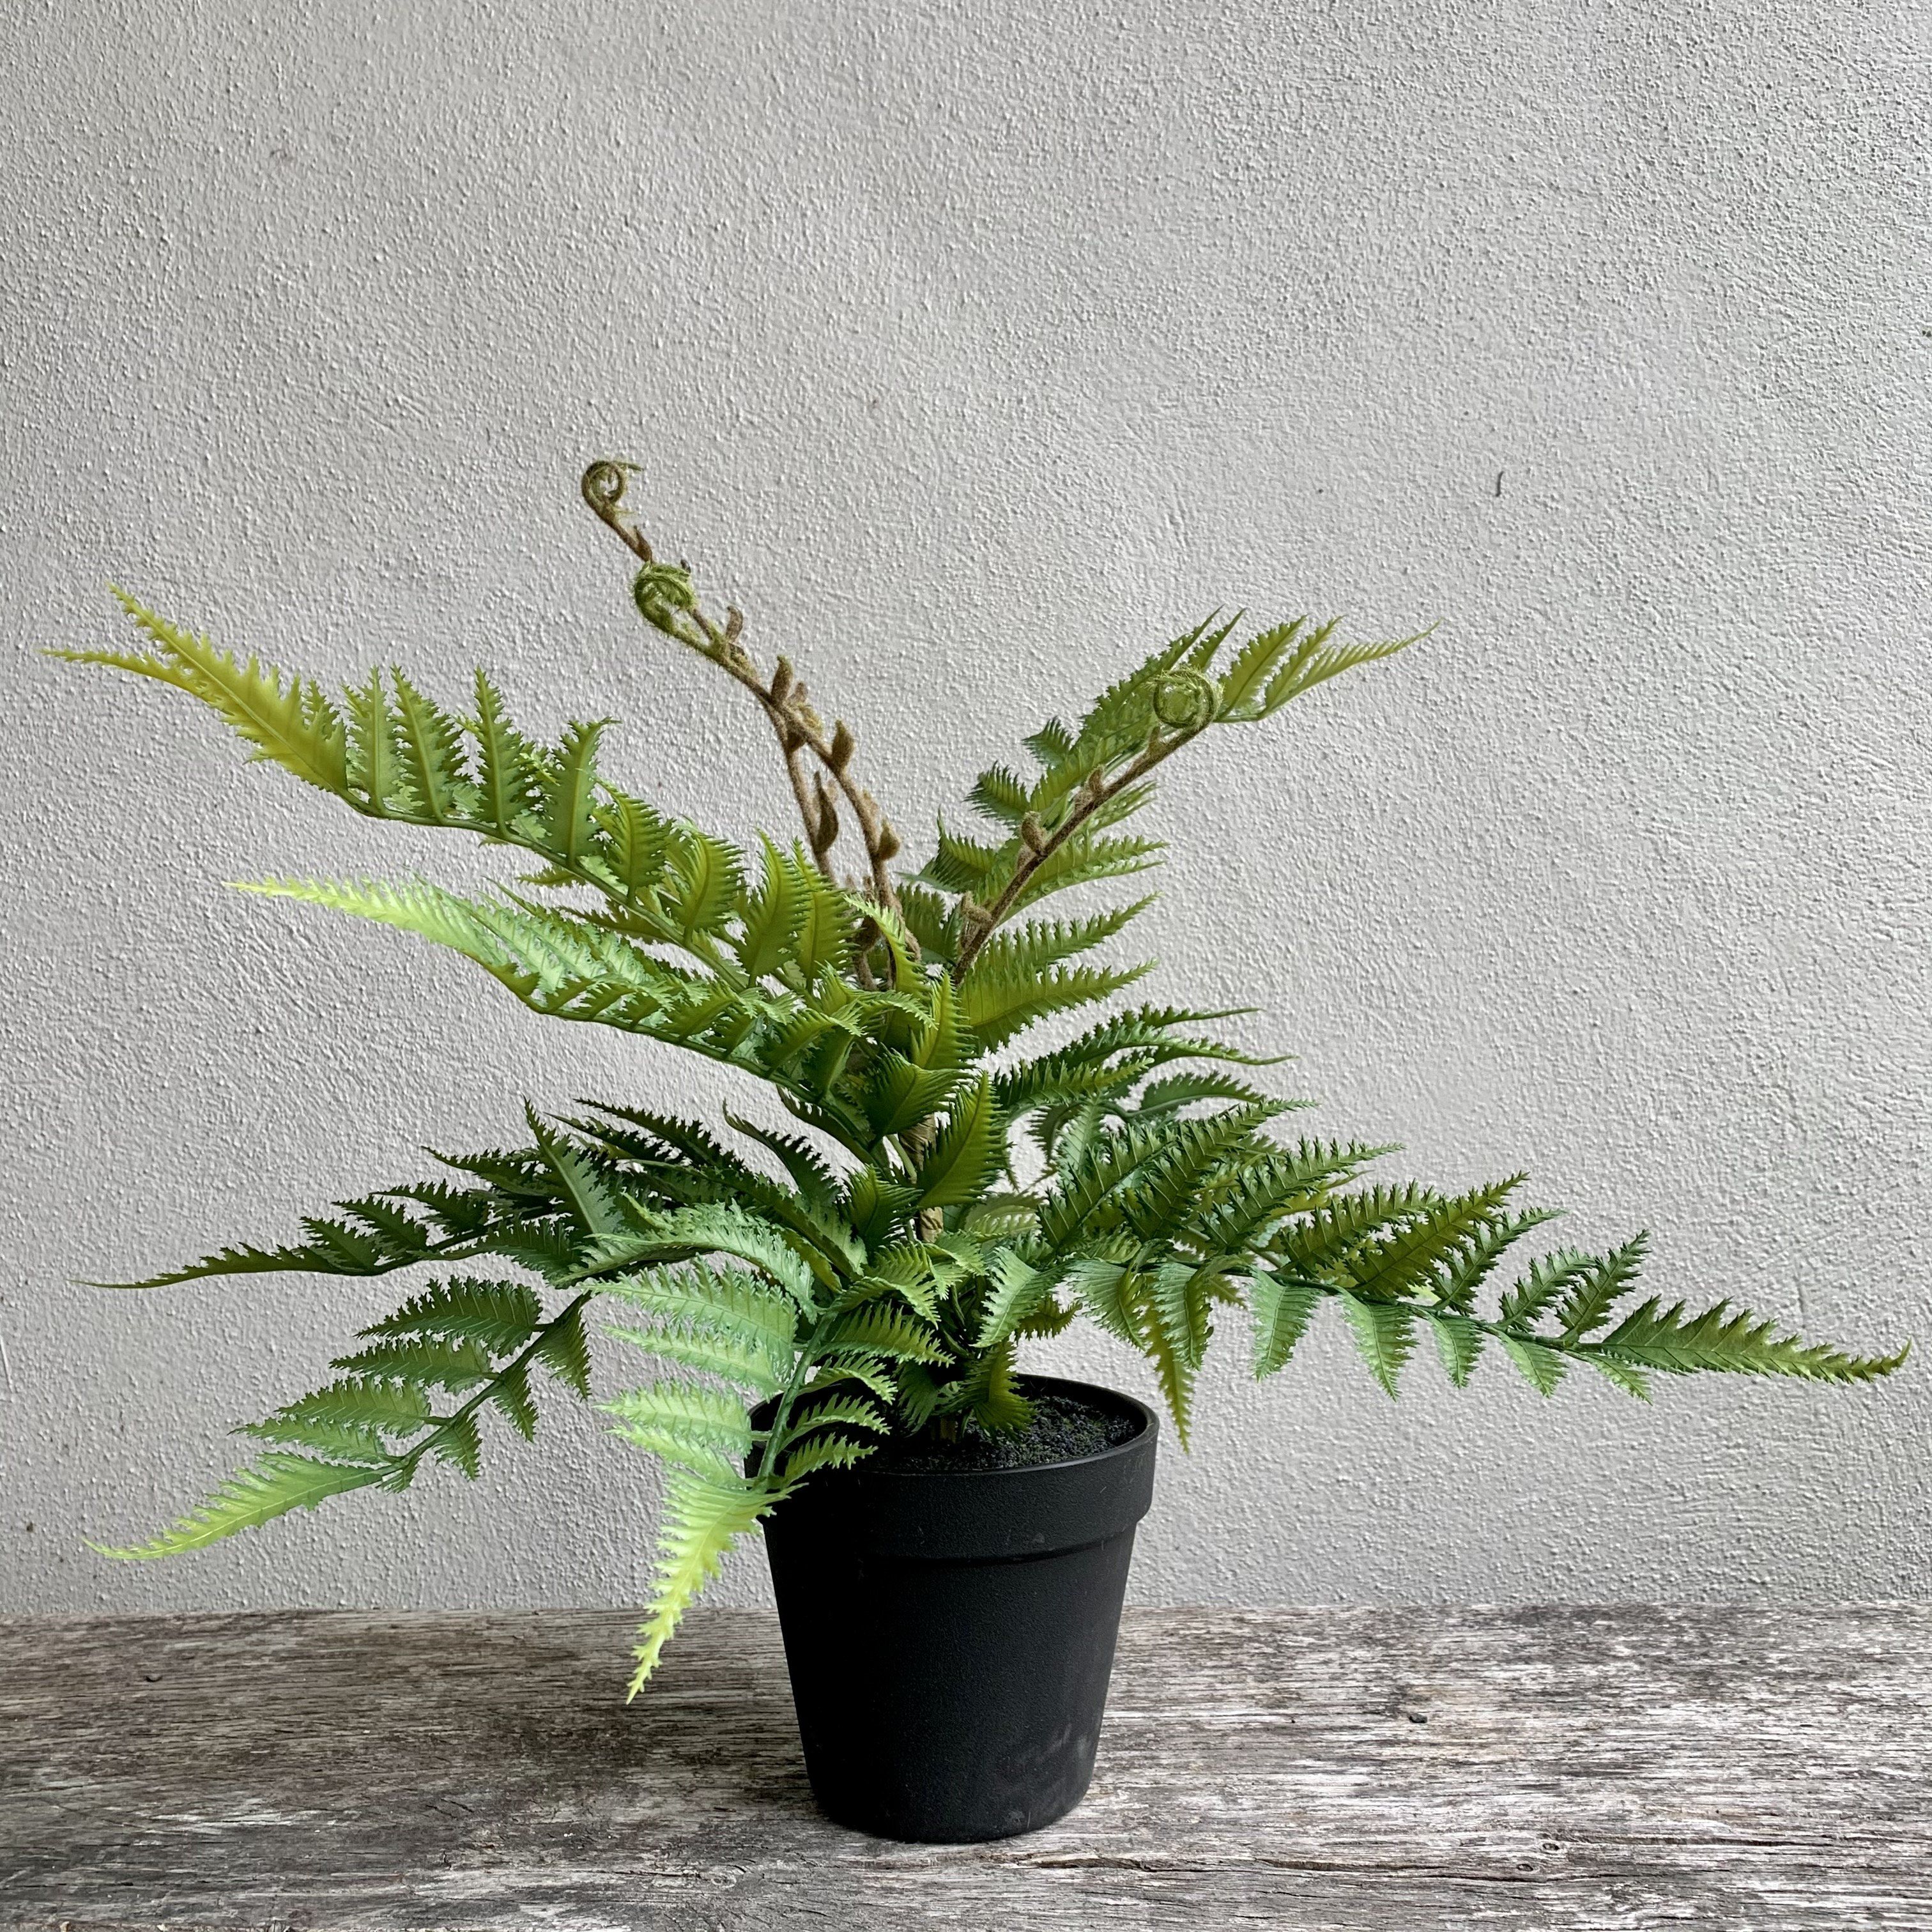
<point>949,1630</point>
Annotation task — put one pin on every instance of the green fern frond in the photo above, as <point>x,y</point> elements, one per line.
<point>570,778</point>
<point>1087,858</point>
<point>430,744</point>
<point>1459,1341</point>
<point>1542,1366</point>
<point>1017,1290</point>
<point>455,1365</point>
<point>997,1005</point>
<point>1282,1306</point>
<point>1314,661</point>
<point>1731,1341</point>
<point>822,1452</point>
<point>363,1402</point>
<point>271,1486</point>
<point>1001,795</point>
<point>1029,950</point>
<point>892,1334</point>
<point>288,720</point>
<point>1593,1294</point>
<point>969,1151</point>
<point>564,1350</point>
<point>1398,1265</point>
<point>823,1411</point>
<point>1385,1335</point>
<point>505,763</point>
<point>713,1348</point>
<point>1464,1271</point>
<point>725,1299</point>
<point>500,1316</point>
<point>688,1423</point>
<point>702,1516</point>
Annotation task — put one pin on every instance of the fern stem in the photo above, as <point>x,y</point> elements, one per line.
<point>796,725</point>
<point>1033,857</point>
<point>411,1458</point>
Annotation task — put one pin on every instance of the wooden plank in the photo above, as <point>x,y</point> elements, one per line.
<point>1522,1771</point>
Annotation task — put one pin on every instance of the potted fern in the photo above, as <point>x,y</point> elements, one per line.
<point>835,1297</point>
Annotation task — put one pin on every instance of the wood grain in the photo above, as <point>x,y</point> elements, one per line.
<point>1517,1770</point>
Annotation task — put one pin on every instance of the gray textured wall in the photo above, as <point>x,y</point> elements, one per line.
<point>972,348</point>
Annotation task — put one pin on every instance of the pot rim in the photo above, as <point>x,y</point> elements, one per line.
<point>865,1470</point>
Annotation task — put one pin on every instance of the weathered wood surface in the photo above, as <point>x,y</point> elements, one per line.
<point>1523,1771</point>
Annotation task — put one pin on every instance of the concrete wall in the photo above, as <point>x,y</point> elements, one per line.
<point>972,348</point>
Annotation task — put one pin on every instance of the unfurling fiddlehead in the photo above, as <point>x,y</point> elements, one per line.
<point>667,599</point>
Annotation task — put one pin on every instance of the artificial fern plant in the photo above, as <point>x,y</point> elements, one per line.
<point>883,1287</point>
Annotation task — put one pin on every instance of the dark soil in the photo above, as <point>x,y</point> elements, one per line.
<point>1062,1429</point>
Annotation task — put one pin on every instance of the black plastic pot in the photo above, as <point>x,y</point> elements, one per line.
<point>950,1634</point>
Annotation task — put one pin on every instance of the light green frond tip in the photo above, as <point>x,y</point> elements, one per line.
<point>271,1486</point>
<point>704,1515</point>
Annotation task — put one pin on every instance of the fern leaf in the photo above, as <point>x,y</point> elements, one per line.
<point>1017,1290</point>
<point>287,719</point>
<point>967,1154</point>
<point>458,1441</point>
<point>712,1348</point>
<point>1398,1265</point>
<point>1085,859</point>
<point>931,921</point>
<point>426,1360</point>
<point>706,886</point>
<point>1631,1380</point>
<point>504,761</point>
<point>824,1452</point>
<point>1177,1335</point>
<point>332,1442</point>
<point>1593,1295</point>
<point>724,1229</point>
<point>431,747</point>
<point>510,1391</point>
<point>687,1422</point>
<point>814,1180</point>
<point>1163,1188</point>
<point>374,770</point>
<point>362,1402</point>
<point>962,865</point>
<point>772,919</point>
<point>891,1333</point>
<point>1244,681</point>
<point>1549,1277</point>
<point>498,1316</point>
<point>590,1198</point>
<point>1314,661</point>
<point>1282,1306</point>
<point>703,1517</point>
<point>1186,1089</point>
<point>1001,795</point>
<point>824,941</point>
<point>720,1299</point>
<point>1732,1341</point>
<point>848,1411</point>
<point>899,1094</point>
<point>274,1484</point>
<point>1542,1366</point>
<point>1384,1335</point>
<point>1030,949</point>
<point>1465,1272</point>
<point>1459,1341</point>
<point>572,783</point>
<point>564,1349</point>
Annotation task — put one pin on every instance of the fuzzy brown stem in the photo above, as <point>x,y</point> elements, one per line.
<point>781,698</point>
